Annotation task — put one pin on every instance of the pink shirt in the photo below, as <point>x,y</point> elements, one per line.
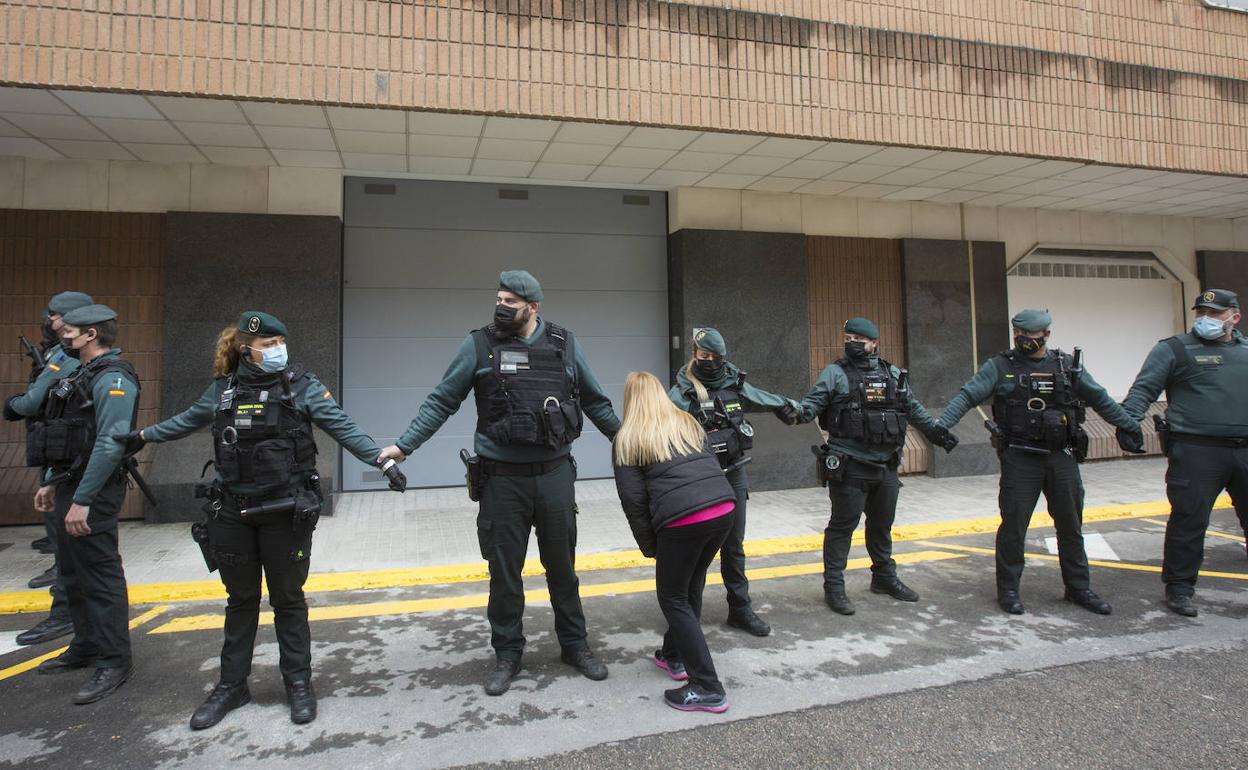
<point>706,514</point>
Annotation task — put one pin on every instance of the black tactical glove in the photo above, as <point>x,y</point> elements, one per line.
<point>398,482</point>
<point>789,414</point>
<point>941,437</point>
<point>133,441</point>
<point>10,413</point>
<point>1131,440</point>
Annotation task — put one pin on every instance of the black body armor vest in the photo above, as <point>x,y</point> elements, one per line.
<point>63,437</point>
<point>722,416</point>
<point>874,413</point>
<point>1043,411</point>
<point>527,398</point>
<point>259,436</point>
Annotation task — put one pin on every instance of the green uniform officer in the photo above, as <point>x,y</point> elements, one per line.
<point>1204,374</point>
<point>29,406</point>
<point>86,488</point>
<point>1038,405</point>
<point>531,383</point>
<point>865,404</point>
<point>265,500</point>
<point>715,392</point>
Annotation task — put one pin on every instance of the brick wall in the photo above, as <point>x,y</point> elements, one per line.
<point>1154,83</point>
<point>114,257</point>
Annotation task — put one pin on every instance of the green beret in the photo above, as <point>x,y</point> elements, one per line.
<point>521,283</point>
<point>710,340</point>
<point>89,314</point>
<point>1032,320</point>
<point>261,324</point>
<point>862,327</point>
<point>68,300</point>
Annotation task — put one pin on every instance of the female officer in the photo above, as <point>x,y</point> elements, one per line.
<point>264,501</point>
<point>715,392</point>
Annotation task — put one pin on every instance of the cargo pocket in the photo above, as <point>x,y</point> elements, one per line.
<point>272,464</point>
<point>485,537</point>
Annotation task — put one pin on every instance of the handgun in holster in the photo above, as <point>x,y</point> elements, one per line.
<point>995,436</point>
<point>829,465</point>
<point>1162,426</point>
<point>474,475</point>
<point>201,531</point>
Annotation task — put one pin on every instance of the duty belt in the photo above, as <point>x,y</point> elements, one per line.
<point>1223,441</point>
<point>496,468</point>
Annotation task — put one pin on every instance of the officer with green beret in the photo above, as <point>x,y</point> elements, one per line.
<point>86,487</point>
<point>1204,374</point>
<point>715,392</point>
<point>265,500</point>
<point>28,406</point>
<point>1039,399</point>
<point>865,404</point>
<point>532,383</point>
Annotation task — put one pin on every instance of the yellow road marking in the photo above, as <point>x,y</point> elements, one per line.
<point>27,665</point>
<point>1092,562</point>
<point>471,601</point>
<point>201,590</point>
<point>1211,532</point>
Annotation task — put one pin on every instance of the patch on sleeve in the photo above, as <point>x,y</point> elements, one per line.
<point>54,367</point>
<point>115,392</point>
<point>118,388</point>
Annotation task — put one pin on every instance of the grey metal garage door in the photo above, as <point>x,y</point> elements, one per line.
<point>421,269</point>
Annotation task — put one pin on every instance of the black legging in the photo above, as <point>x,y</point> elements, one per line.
<point>681,558</point>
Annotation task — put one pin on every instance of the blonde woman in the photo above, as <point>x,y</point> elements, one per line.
<point>679,506</point>
<point>714,391</point>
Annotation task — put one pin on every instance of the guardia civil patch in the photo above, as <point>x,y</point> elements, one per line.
<point>1208,296</point>
<point>1209,360</point>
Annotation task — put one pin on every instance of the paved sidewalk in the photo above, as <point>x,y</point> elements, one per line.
<point>382,530</point>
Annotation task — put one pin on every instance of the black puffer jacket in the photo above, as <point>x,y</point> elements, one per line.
<point>654,496</point>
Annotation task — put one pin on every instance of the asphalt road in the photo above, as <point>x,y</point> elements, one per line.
<point>948,682</point>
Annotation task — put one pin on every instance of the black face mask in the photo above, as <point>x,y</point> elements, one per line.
<point>50,337</point>
<point>508,319</point>
<point>1028,345</point>
<point>68,348</point>
<point>856,350</point>
<point>708,370</point>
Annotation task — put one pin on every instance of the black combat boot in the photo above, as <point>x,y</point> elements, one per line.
<point>223,699</point>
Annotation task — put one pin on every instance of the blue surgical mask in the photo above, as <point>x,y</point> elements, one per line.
<point>1208,328</point>
<point>273,360</point>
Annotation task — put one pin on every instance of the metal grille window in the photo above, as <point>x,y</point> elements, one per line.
<point>1086,270</point>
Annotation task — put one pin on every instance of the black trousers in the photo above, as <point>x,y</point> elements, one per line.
<point>864,490</point>
<point>511,507</point>
<point>247,547</point>
<point>682,555</point>
<point>60,605</point>
<point>1024,475</point>
<point>93,578</point>
<point>1194,479</point>
<point>732,552</point>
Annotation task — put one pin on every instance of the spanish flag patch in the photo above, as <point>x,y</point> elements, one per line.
<point>54,367</point>
<point>116,392</point>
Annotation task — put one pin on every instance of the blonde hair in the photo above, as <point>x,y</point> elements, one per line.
<point>698,387</point>
<point>654,429</point>
<point>225,358</point>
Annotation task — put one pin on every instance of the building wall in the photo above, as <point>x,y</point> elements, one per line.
<point>114,257</point>
<point>1051,79</point>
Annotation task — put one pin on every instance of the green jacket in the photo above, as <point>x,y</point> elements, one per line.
<point>995,379</point>
<point>755,399</point>
<point>58,366</point>
<point>458,382</point>
<point>832,387</point>
<point>1206,392</point>
<point>116,396</point>
<point>315,401</point>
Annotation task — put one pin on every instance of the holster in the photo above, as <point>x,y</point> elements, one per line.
<point>1162,426</point>
<point>829,465</point>
<point>303,519</point>
<point>200,534</point>
<point>474,475</point>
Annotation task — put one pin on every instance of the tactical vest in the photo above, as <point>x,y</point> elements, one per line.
<point>874,413</point>
<point>260,437</point>
<point>62,439</point>
<point>527,398</point>
<point>722,415</point>
<point>1043,411</point>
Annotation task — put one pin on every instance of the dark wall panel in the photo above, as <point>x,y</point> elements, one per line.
<point>217,266</point>
<point>752,287</point>
<point>1224,270</point>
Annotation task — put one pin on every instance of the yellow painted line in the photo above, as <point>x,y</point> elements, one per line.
<point>1092,562</point>
<point>1210,532</point>
<point>471,601</point>
<point>203,590</point>
<point>27,665</point>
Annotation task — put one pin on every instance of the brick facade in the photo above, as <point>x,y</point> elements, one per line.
<point>1151,83</point>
